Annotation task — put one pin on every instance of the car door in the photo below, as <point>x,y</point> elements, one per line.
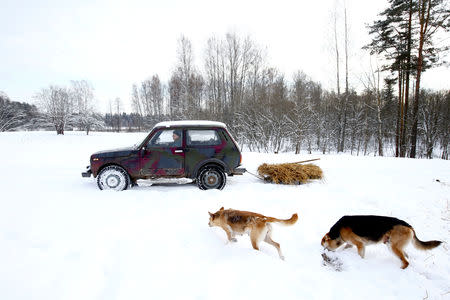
<point>202,144</point>
<point>163,155</point>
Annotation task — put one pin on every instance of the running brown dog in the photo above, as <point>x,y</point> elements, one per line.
<point>360,231</point>
<point>256,225</point>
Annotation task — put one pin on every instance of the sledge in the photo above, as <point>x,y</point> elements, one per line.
<point>290,173</point>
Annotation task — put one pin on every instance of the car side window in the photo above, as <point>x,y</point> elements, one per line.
<point>202,137</point>
<point>166,138</point>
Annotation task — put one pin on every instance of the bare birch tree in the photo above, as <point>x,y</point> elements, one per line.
<point>57,106</point>
<point>156,95</point>
<point>82,94</point>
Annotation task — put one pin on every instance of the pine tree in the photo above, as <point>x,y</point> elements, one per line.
<point>431,16</point>
<point>393,38</point>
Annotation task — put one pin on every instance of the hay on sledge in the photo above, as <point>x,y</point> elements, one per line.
<point>289,173</point>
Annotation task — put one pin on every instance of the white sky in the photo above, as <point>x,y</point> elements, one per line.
<point>114,44</point>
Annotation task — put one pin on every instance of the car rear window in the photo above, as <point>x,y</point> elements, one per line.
<point>202,137</point>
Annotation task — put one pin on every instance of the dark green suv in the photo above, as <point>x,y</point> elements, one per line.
<point>201,150</point>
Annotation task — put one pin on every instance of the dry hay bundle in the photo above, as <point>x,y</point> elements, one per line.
<point>290,173</point>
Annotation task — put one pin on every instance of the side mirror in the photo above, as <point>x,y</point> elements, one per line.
<point>143,149</point>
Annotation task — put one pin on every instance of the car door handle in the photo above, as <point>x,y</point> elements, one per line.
<point>178,151</point>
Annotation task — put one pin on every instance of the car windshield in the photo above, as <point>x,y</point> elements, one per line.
<point>141,141</point>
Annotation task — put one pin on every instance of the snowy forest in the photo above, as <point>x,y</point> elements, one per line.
<point>234,83</point>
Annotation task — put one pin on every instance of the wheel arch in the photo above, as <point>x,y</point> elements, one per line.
<point>210,163</point>
<point>110,164</point>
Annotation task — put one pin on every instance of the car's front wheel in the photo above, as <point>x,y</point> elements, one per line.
<point>113,178</point>
<point>211,178</point>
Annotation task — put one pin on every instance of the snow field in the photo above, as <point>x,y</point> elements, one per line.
<point>62,238</point>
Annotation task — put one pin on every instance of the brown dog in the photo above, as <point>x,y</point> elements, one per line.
<point>360,231</point>
<point>256,225</point>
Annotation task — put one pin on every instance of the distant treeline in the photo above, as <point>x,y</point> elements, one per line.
<point>14,115</point>
<point>298,117</point>
<point>309,118</point>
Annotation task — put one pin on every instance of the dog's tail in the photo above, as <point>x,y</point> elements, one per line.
<point>424,245</point>
<point>290,221</point>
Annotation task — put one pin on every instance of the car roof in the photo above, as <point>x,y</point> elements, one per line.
<point>192,123</point>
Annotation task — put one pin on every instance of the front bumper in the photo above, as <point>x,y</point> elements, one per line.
<point>88,172</point>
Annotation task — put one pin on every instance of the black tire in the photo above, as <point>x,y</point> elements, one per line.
<point>211,177</point>
<point>113,178</point>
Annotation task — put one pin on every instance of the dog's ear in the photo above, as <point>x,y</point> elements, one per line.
<point>210,214</point>
<point>325,240</point>
<point>221,208</point>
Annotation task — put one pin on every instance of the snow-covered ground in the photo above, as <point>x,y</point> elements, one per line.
<point>62,238</point>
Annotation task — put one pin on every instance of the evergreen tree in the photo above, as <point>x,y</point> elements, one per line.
<point>431,16</point>
<point>393,38</point>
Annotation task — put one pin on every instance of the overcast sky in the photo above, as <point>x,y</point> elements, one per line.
<point>114,44</point>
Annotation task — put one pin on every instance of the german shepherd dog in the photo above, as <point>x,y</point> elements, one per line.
<point>360,231</point>
<point>256,225</point>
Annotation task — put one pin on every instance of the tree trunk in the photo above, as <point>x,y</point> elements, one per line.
<point>445,153</point>
<point>423,28</point>
<point>399,114</point>
<point>379,122</point>
<point>59,129</point>
<point>344,127</point>
<point>408,71</point>
<point>337,56</point>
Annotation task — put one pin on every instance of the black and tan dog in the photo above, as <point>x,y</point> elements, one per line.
<point>360,231</point>
<point>256,225</point>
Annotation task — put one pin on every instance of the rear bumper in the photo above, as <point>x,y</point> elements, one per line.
<point>88,172</point>
<point>238,171</point>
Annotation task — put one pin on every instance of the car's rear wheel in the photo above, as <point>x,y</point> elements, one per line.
<point>113,178</point>
<point>211,177</point>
